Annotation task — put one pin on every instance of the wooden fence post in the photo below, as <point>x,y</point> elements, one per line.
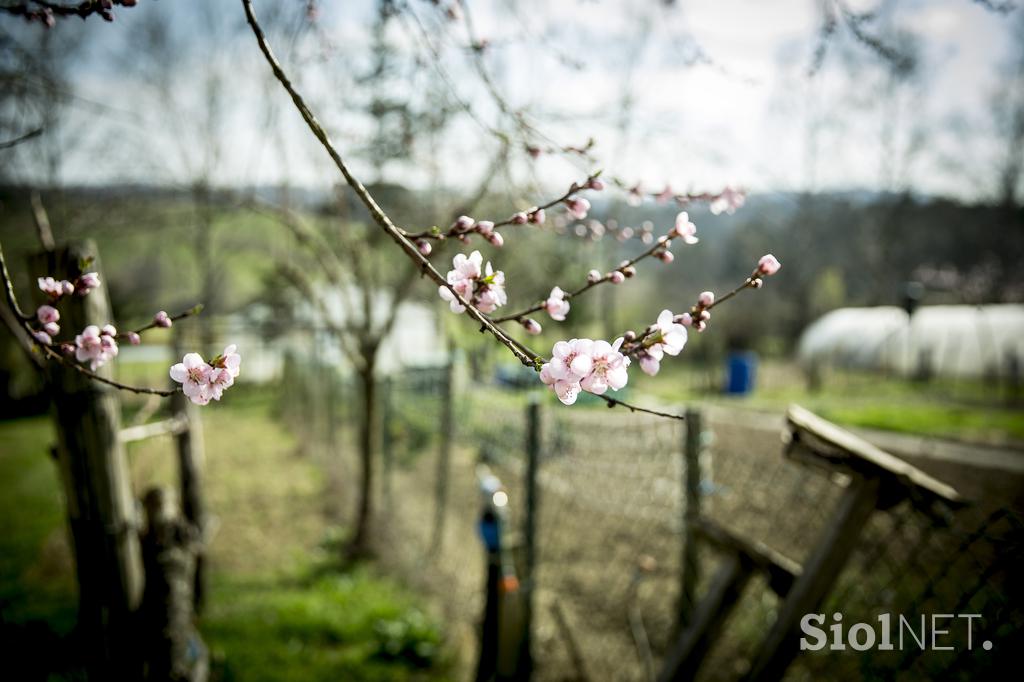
<point>189,443</point>
<point>96,481</point>
<point>528,583</point>
<point>444,453</point>
<point>690,567</point>
<point>171,646</point>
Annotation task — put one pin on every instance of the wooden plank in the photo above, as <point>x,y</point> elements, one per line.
<point>165,427</point>
<point>690,565</point>
<point>833,443</point>
<point>826,562</point>
<point>781,570</point>
<point>686,655</point>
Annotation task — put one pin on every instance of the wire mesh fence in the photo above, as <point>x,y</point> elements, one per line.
<point>610,529</point>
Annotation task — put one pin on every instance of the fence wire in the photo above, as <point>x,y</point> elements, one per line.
<point>609,538</point>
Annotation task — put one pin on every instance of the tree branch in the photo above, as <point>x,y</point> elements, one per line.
<point>378,215</point>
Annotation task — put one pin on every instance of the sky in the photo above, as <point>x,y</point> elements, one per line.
<point>690,94</point>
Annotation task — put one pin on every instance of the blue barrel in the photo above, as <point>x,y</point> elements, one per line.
<point>740,371</point>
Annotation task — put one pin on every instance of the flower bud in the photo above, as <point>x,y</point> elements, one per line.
<point>67,348</point>
<point>629,271</point>
<point>665,256</point>
<point>424,247</point>
<point>617,277</point>
<point>68,287</point>
<point>700,326</point>
<point>594,276</point>
<point>463,223</point>
<point>87,283</point>
<point>519,218</point>
<point>768,265</point>
<point>42,337</point>
<point>47,313</point>
<point>537,216</point>
<point>757,283</point>
<point>496,239</point>
<point>108,330</point>
<point>162,319</point>
<point>485,227</point>
<point>685,319</point>
<point>51,328</point>
<point>134,339</point>
<point>706,298</point>
<point>531,326</point>
<point>629,337</point>
<point>705,315</point>
<point>595,184</point>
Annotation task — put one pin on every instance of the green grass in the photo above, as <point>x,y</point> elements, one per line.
<point>961,410</point>
<point>278,608</point>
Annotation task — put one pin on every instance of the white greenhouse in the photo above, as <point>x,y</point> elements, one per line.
<point>941,340</point>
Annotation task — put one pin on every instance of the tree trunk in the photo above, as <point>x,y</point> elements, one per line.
<point>96,482</point>
<point>367,445</point>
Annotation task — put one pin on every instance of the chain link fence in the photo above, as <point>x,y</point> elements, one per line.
<point>610,529</point>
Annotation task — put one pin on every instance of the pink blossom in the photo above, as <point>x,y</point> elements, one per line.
<point>485,228</point>
<point>491,294</point>
<point>87,283</point>
<point>649,363</point>
<point>220,379</point>
<point>51,328</point>
<point>556,305</point>
<point>51,287</point>
<point>108,330</point>
<point>768,265</point>
<point>578,207</point>
<point>595,184</point>
<point>594,276</point>
<point>673,335</point>
<point>42,337</point>
<point>684,229</point>
<point>94,347</point>
<point>162,319</point>
<point>537,216</point>
<point>424,247</point>
<point>485,290</point>
<point>67,287</point>
<point>463,223</point>
<point>706,299</point>
<point>194,376</point>
<point>229,360</point>
<point>47,313</point>
<point>567,390</point>
<point>519,218</point>
<point>496,239</point>
<point>728,201</point>
<point>617,277</point>
<point>609,368</point>
<point>134,338</point>
<point>571,360</point>
<point>531,326</point>
<point>665,256</point>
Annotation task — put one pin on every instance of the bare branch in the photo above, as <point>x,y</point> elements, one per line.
<point>378,215</point>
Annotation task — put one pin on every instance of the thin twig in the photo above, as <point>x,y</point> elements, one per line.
<point>615,402</point>
<point>12,304</point>
<point>378,215</point>
<point>456,231</point>
<point>7,144</point>
<point>658,246</point>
